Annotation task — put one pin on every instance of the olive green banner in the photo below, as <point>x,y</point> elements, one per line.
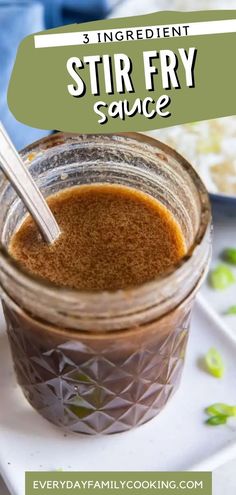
<point>131,74</point>
<point>118,483</point>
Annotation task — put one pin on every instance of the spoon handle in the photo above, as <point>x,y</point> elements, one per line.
<point>24,185</point>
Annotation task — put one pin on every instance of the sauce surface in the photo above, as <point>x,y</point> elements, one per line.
<point>113,237</point>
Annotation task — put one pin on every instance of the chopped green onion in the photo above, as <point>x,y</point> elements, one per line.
<point>221,277</point>
<point>220,419</point>
<point>231,310</point>
<point>230,255</point>
<point>221,409</point>
<point>214,363</point>
<point>219,413</point>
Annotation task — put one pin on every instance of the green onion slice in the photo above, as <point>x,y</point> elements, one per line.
<point>221,277</point>
<point>219,408</point>
<point>230,255</point>
<point>231,310</point>
<point>214,363</point>
<point>220,419</point>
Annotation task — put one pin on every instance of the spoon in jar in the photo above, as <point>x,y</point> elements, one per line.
<point>19,176</point>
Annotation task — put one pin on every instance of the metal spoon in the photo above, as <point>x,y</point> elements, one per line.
<point>24,185</point>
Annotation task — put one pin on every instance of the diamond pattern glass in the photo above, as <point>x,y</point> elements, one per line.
<point>94,384</point>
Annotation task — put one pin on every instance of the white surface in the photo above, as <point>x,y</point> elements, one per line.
<point>40,446</point>
<point>224,235</point>
<point>224,479</point>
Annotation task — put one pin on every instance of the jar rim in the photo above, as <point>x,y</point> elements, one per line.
<point>93,299</point>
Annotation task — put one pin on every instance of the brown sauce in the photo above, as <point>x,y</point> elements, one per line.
<point>113,237</point>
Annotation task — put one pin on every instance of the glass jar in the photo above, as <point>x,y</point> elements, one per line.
<point>104,362</point>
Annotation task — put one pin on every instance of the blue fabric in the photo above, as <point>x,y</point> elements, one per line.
<point>21,18</point>
<point>61,12</point>
<point>17,20</point>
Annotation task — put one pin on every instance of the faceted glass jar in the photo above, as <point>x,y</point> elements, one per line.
<point>104,362</point>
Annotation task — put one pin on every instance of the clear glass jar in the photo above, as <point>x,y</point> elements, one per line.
<point>104,362</point>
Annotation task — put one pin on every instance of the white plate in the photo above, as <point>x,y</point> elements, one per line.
<point>177,439</point>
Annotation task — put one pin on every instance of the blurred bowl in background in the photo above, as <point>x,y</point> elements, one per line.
<point>210,146</point>
<point>124,8</point>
